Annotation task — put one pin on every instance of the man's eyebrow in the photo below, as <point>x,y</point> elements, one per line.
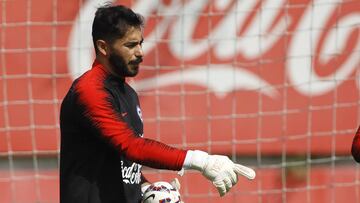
<point>135,41</point>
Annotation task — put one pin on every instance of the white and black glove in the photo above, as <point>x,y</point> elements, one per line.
<point>220,170</point>
<point>176,184</point>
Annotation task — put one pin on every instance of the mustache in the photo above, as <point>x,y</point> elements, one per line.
<point>136,61</point>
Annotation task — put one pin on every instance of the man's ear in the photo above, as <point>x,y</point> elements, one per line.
<point>102,47</point>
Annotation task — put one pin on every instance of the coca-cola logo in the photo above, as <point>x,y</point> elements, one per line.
<point>131,174</point>
<point>235,35</point>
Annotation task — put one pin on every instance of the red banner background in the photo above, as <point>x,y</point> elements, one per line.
<point>280,81</point>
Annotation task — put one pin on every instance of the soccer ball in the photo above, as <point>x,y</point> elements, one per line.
<point>161,192</point>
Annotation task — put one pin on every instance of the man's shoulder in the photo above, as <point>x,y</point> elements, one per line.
<point>90,79</point>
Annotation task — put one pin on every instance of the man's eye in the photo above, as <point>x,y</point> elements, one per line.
<point>130,45</point>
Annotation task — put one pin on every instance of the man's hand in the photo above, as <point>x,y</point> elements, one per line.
<point>176,184</point>
<point>220,170</point>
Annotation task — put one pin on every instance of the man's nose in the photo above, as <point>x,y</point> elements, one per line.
<point>139,52</point>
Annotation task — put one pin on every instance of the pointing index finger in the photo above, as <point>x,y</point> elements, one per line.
<point>245,171</point>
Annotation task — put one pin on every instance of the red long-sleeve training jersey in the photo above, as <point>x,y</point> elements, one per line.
<point>102,144</point>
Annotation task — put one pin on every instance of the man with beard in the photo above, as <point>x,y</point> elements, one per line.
<point>102,144</point>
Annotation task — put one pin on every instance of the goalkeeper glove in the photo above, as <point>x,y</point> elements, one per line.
<point>176,184</point>
<point>220,170</point>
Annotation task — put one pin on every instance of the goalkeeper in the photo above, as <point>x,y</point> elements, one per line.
<point>102,144</point>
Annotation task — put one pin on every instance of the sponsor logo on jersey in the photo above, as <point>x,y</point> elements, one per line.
<point>138,110</point>
<point>131,174</point>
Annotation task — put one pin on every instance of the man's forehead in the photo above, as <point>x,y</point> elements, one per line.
<point>133,34</point>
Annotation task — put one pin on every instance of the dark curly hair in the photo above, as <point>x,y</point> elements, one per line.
<point>112,22</point>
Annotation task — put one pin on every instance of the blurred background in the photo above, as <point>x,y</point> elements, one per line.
<point>273,84</point>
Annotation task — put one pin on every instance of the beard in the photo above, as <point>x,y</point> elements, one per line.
<point>123,69</point>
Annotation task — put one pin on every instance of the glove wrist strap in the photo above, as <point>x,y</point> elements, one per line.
<point>195,159</point>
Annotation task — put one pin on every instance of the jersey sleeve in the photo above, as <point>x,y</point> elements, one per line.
<point>98,107</point>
